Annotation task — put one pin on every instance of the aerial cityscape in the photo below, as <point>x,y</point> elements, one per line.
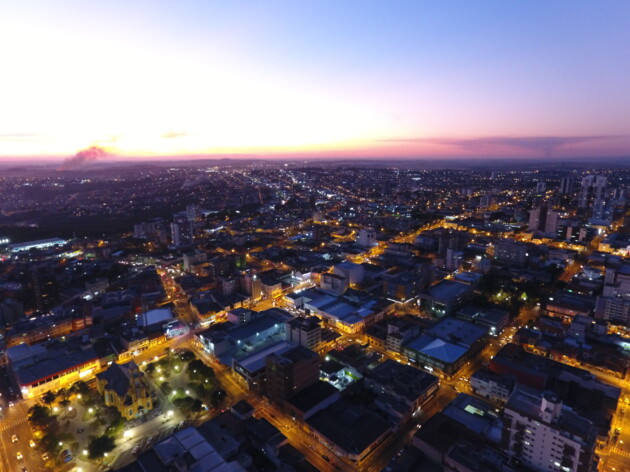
<point>314,236</point>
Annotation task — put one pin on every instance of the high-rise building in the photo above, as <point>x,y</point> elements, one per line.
<point>541,187</point>
<point>592,190</point>
<point>545,435</point>
<point>291,372</point>
<point>615,309</point>
<point>566,185</point>
<point>551,223</point>
<point>181,230</point>
<point>537,218</point>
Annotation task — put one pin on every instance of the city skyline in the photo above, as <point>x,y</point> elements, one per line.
<point>447,80</point>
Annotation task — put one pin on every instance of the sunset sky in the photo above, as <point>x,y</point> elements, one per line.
<point>315,78</point>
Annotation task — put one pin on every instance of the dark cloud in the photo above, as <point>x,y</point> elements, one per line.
<point>544,145</point>
<point>173,134</point>
<point>85,155</point>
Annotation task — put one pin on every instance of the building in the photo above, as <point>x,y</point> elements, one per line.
<point>290,372</point>
<point>351,431</point>
<point>186,450</point>
<point>566,185</point>
<point>537,218</point>
<point>251,369</point>
<point>123,387</point>
<point>49,326</point>
<point>511,252</point>
<point>578,388</point>
<point>613,309</point>
<point>42,367</point>
<point>366,237</point>
<point>354,273</point>
<point>305,332</point>
<point>552,221</point>
<point>39,244</point>
<point>446,346</point>
<point>445,297</point>
<point>333,283</point>
<point>400,389</point>
<point>401,287</point>
<point>496,388</point>
<point>181,230</point>
<point>547,436</point>
<point>592,190</point>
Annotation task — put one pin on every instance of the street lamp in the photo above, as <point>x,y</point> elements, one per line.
<point>169,412</point>
<point>85,452</point>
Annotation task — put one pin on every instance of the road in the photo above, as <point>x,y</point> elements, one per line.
<point>15,422</point>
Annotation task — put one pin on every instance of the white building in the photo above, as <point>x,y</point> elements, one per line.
<point>366,237</point>
<point>547,436</point>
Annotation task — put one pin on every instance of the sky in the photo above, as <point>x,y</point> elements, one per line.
<point>327,78</point>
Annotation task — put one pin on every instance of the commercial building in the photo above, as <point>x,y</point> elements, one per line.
<point>446,346</point>
<point>351,431</point>
<point>40,368</point>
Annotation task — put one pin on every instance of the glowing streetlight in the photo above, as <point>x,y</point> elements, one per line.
<point>126,434</point>
<point>85,452</point>
<point>91,410</point>
<point>169,412</point>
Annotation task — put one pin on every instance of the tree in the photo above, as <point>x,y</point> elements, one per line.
<point>150,369</point>
<point>165,387</point>
<point>197,370</point>
<point>196,406</point>
<point>41,417</point>
<point>117,424</point>
<point>217,397</point>
<point>99,446</point>
<point>49,397</point>
<point>80,387</point>
<point>50,444</point>
<point>187,356</point>
<point>185,404</point>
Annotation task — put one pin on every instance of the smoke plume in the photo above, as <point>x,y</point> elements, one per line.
<point>90,154</point>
